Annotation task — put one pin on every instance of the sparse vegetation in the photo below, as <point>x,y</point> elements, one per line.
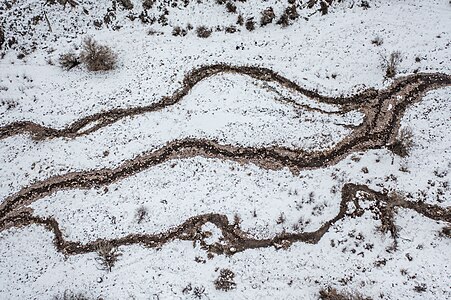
<point>2,37</point>
<point>281,219</point>
<point>97,57</point>
<point>127,4</point>
<point>267,16</point>
<point>147,4</point>
<point>179,31</point>
<point>225,281</point>
<point>68,295</point>
<point>203,32</point>
<point>141,214</point>
<point>250,24</point>
<point>391,63</point>
<point>377,41</point>
<point>69,60</point>
<point>108,255</point>
<point>333,294</point>
<point>231,8</point>
<point>402,146</point>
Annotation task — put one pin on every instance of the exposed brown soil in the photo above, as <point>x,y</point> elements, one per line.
<point>234,239</point>
<point>362,101</point>
<point>383,111</point>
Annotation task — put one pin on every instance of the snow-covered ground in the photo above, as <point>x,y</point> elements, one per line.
<point>332,54</point>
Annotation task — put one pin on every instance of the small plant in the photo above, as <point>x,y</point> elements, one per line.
<point>108,255</point>
<point>97,57</point>
<point>203,32</point>
<point>391,63</point>
<point>141,214</point>
<point>127,4</point>
<point>2,37</point>
<point>68,295</point>
<point>225,281</point>
<point>240,20</point>
<point>268,16</point>
<point>250,24</point>
<point>179,31</point>
<point>283,21</point>
<point>404,143</point>
<point>147,4</point>
<point>333,294</point>
<point>69,60</point>
<point>199,292</point>
<point>231,8</point>
<point>236,220</point>
<point>281,219</point>
<point>377,41</point>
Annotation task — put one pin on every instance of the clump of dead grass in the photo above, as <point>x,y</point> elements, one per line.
<point>97,57</point>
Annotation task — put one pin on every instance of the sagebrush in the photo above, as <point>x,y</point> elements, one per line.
<point>97,57</point>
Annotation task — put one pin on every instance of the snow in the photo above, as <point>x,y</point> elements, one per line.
<point>331,54</point>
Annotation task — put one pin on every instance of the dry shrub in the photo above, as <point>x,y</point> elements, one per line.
<point>68,295</point>
<point>97,57</point>
<point>108,255</point>
<point>391,63</point>
<point>333,294</point>
<point>225,281</point>
<point>250,24</point>
<point>268,16</point>
<point>147,4</point>
<point>404,143</point>
<point>377,41</point>
<point>127,4</point>
<point>231,8</point>
<point>240,20</point>
<point>72,3</point>
<point>2,37</point>
<point>69,60</point>
<point>141,214</point>
<point>179,31</point>
<point>203,32</point>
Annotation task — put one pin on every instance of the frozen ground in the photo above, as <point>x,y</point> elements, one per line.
<point>332,54</point>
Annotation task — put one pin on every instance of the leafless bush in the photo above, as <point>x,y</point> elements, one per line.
<point>250,24</point>
<point>199,292</point>
<point>68,295</point>
<point>69,60</point>
<point>178,31</point>
<point>240,20</point>
<point>236,219</point>
<point>283,21</point>
<point>404,143</point>
<point>147,4</point>
<point>72,3</point>
<point>391,63</point>
<point>377,41</point>
<point>231,8</point>
<point>97,57</point>
<point>268,16</point>
<point>230,29</point>
<point>2,37</point>
<point>333,294</point>
<point>281,219</point>
<point>225,281</point>
<point>203,32</point>
<point>154,32</point>
<point>108,255</point>
<point>446,232</point>
<point>141,214</point>
<point>127,4</point>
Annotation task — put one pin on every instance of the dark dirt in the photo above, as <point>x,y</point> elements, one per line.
<point>383,111</point>
<point>236,240</point>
